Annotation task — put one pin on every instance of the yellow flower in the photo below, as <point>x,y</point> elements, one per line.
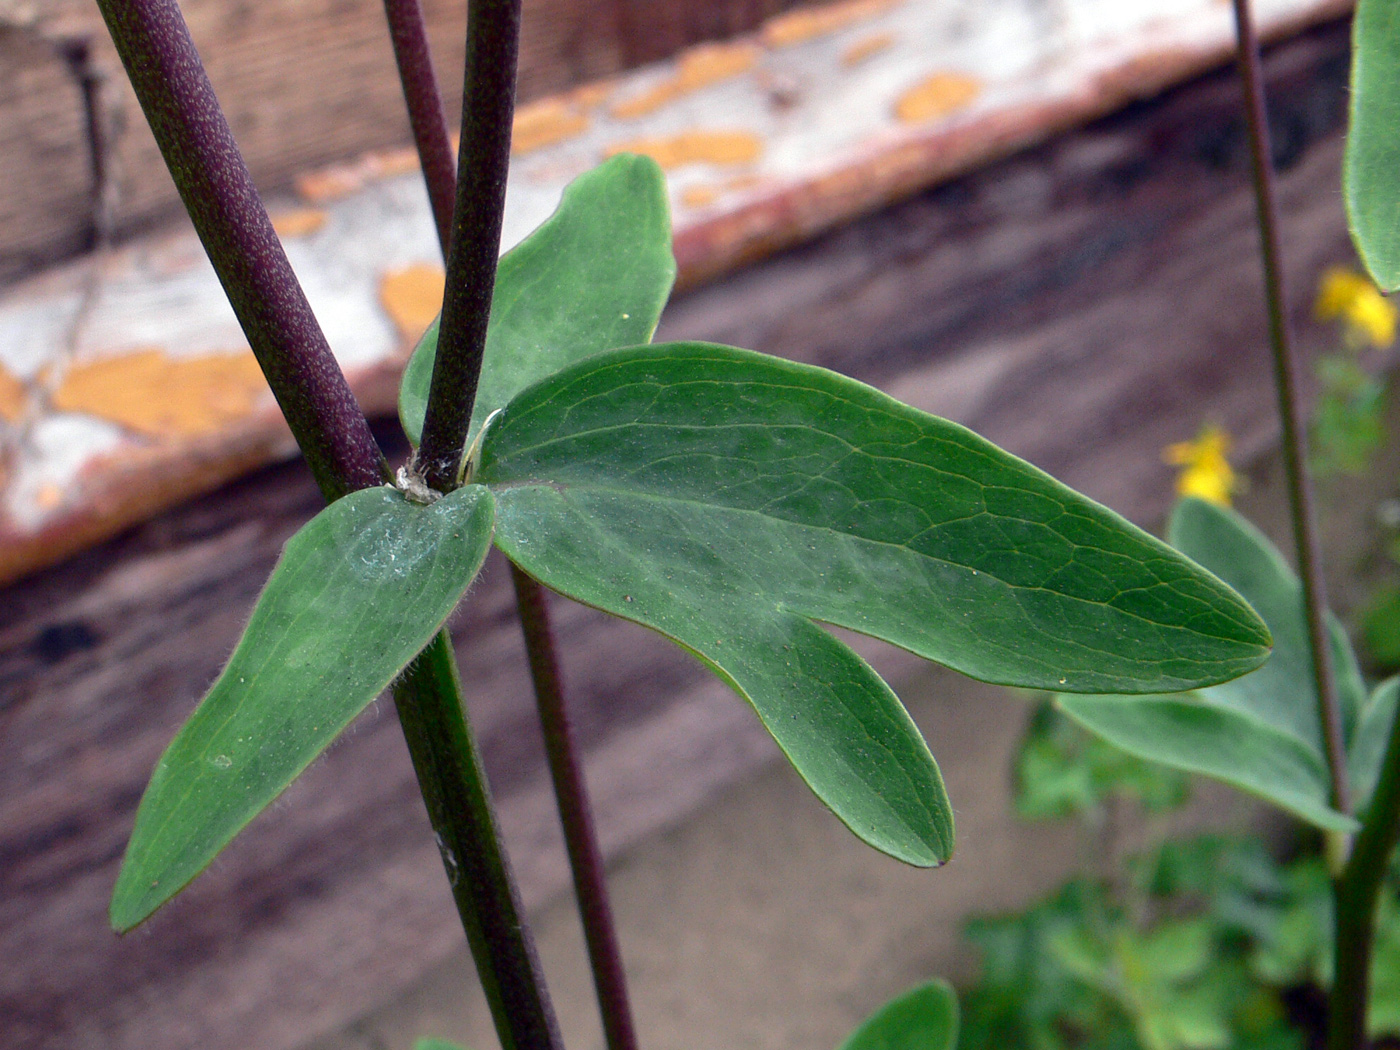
<point>1205,471</point>
<point>1368,315</point>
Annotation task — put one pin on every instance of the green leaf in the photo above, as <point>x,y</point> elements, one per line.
<point>1177,950</point>
<point>924,1018</point>
<point>1371,173</point>
<point>593,277</point>
<point>1260,732</point>
<point>731,500</point>
<point>1368,743</point>
<point>1380,627</point>
<point>357,593</point>
<point>428,1043</point>
<point>1062,770</point>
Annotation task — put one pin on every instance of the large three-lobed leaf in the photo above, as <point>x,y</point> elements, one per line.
<point>733,501</point>
<point>1371,173</point>
<point>729,500</point>
<point>1260,732</point>
<point>357,593</point>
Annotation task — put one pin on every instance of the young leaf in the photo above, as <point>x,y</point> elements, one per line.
<point>1371,172</point>
<point>1260,732</point>
<point>729,500</point>
<point>357,593</point>
<point>594,276</point>
<point>923,1018</point>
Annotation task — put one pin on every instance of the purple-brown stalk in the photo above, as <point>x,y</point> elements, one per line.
<point>566,768</point>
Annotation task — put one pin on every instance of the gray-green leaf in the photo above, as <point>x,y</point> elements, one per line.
<point>357,593</point>
<point>1368,742</point>
<point>594,276</point>
<point>1261,732</point>
<point>731,501</point>
<point>1371,173</point>
<point>924,1018</point>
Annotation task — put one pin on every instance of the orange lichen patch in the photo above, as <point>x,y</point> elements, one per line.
<point>544,123</point>
<point>797,27</point>
<point>866,48</point>
<point>696,147</point>
<point>938,96</point>
<point>49,497</point>
<point>298,222</point>
<point>13,397</point>
<point>587,96</point>
<point>412,297</point>
<point>699,196</point>
<point>330,184</point>
<point>392,162</point>
<point>341,180</point>
<point>152,393</point>
<point>697,68</point>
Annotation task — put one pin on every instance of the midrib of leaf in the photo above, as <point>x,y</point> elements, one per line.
<point>839,536</point>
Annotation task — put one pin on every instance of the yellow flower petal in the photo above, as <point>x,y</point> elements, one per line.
<point>1351,297</point>
<point>1206,472</point>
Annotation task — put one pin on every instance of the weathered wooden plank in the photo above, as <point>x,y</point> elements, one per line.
<point>45,208</point>
<point>123,382</point>
<point>1083,304</point>
<point>304,83</point>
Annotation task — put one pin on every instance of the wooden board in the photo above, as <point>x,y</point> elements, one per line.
<point>125,383</point>
<point>1083,304</point>
<point>304,83</point>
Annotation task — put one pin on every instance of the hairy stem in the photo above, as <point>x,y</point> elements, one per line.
<point>488,106</point>
<point>585,856</point>
<point>218,192</point>
<point>428,119</point>
<point>1285,363</point>
<point>464,823</point>
<point>566,767</point>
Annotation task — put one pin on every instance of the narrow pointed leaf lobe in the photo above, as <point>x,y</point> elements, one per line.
<point>359,590</point>
<point>594,276</point>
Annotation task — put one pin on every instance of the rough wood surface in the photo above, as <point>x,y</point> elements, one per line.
<point>304,83</point>
<point>124,382</point>
<point>1083,304</point>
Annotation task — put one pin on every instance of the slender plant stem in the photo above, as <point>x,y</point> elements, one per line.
<point>488,107</point>
<point>1356,894</point>
<point>409,34</point>
<point>218,192</point>
<point>1285,362</point>
<point>464,823</point>
<point>566,768</point>
<point>580,837</point>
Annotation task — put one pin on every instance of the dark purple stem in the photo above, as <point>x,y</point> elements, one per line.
<point>458,798</point>
<point>576,814</point>
<point>570,788</point>
<point>218,192</point>
<point>409,34</point>
<point>1285,362</point>
<point>488,107</point>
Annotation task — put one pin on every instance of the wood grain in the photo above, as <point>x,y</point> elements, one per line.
<point>1083,304</point>
<point>304,83</point>
<point>45,208</point>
